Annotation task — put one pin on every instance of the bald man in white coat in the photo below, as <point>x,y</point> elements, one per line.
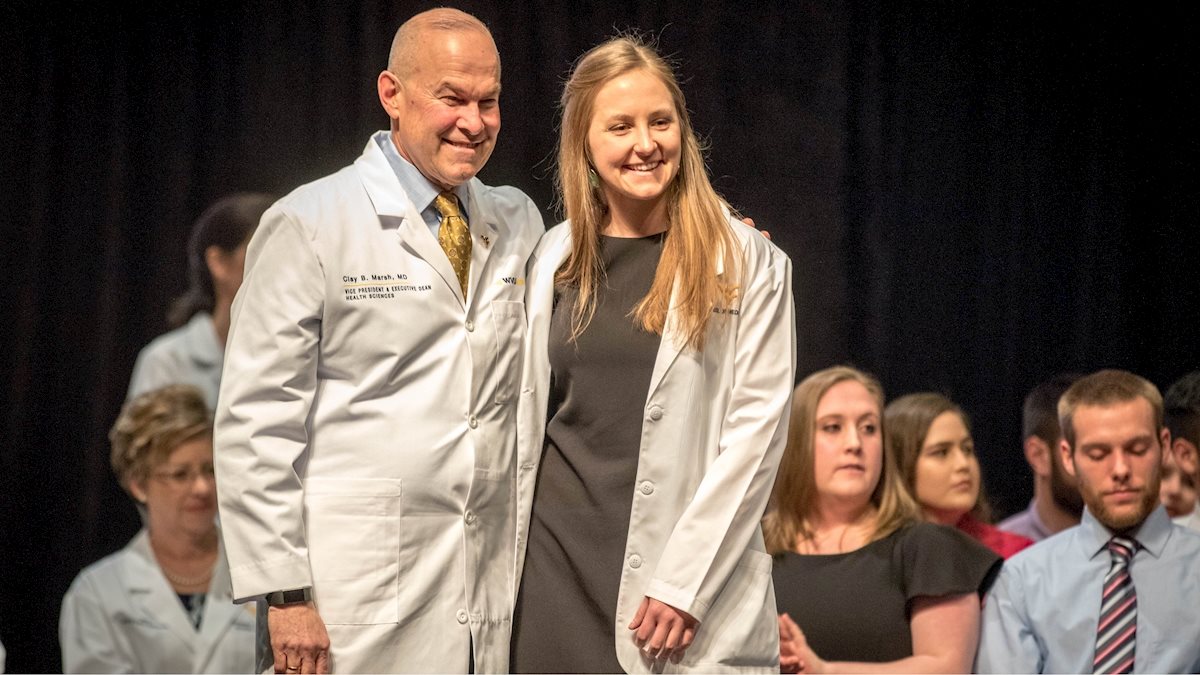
<point>365,433</point>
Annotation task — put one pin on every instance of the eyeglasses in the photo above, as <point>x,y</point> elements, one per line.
<point>186,475</point>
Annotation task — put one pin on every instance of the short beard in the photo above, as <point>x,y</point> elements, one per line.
<point>1115,524</point>
<point>1065,495</point>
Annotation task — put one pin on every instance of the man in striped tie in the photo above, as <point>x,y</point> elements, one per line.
<point>1120,592</point>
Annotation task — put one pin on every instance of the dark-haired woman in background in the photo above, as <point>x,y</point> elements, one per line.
<point>931,437</point>
<point>861,583</point>
<point>193,352</point>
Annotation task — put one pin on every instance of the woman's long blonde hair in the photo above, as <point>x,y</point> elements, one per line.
<point>794,499</point>
<point>698,229</point>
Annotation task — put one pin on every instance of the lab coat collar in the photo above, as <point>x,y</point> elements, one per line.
<point>671,344</point>
<point>397,211</point>
<point>200,337</point>
<point>162,604</point>
<point>155,595</point>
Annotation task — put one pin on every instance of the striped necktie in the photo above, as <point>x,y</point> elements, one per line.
<point>1117,630</point>
<point>454,236</point>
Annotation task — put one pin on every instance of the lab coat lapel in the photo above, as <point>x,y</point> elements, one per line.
<point>672,341</point>
<point>156,597</point>
<point>669,347</point>
<point>219,614</point>
<point>392,204</point>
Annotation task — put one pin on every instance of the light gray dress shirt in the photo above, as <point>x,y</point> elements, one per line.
<point>1041,614</point>
<point>1027,523</point>
<point>418,188</point>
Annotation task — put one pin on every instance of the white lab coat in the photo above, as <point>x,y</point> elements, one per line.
<point>122,616</point>
<point>190,354</point>
<point>713,433</point>
<point>365,429</point>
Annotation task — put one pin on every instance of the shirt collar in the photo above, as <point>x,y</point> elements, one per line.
<point>418,188</point>
<point>1151,535</point>
<point>1035,521</point>
<point>201,338</point>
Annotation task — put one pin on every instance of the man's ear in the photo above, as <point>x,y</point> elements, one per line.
<point>1068,458</point>
<point>1186,455</point>
<point>389,93</point>
<point>1037,453</point>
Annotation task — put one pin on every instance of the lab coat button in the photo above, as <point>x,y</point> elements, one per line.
<point>461,615</point>
<point>647,488</point>
<point>473,421</point>
<point>635,561</point>
<point>656,413</point>
<point>470,517</point>
<point>470,326</point>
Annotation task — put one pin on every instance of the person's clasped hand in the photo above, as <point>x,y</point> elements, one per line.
<point>662,631</point>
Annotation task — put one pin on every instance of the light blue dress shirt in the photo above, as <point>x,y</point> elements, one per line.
<point>1041,614</point>
<point>418,188</point>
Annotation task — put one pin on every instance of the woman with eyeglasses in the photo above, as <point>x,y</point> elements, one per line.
<point>162,604</point>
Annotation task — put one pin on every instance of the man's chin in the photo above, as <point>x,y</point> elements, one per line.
<point>1124,516</point>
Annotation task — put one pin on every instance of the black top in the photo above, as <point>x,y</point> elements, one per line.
<point>856,606</point>
<point>565,612</point>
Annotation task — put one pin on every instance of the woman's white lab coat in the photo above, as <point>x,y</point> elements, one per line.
<point>714,429</point>
<point>190,354</point>
<point>122,616</point>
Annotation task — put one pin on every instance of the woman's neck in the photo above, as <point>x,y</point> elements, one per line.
<point>634,218</point>
<point>220,317</point>
<point>943,517</point>
<point>839,527</point>
<point>183,546</point>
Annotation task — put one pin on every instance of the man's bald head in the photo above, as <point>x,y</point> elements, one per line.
<point>407,42</point>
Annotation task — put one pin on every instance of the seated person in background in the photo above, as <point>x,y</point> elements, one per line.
<point>1056,503</point>
<point>1182,416</point>
<point>1178,493</point>
<point>930,437</point>
<point>162,604</point>
<point>861,582</point>
<point>193,352</point>
<point>1120,592</point>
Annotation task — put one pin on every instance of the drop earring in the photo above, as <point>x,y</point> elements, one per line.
<point>593,178</point>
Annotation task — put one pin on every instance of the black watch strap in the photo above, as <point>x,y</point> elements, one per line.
<point>289,597</point>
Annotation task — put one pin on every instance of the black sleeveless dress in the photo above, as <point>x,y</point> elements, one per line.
<point>564,617</point>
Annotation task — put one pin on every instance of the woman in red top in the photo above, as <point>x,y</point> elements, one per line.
<point>931,437</point>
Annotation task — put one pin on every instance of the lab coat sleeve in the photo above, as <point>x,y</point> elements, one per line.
<point>88,634</point>
<point>267,389</point>
<point>716,527</point>
<point>148,374</point>
<point>1007,643</point>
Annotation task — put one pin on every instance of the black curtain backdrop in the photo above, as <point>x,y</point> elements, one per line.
<point>975,197</point>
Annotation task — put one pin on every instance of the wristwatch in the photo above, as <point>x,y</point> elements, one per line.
<point>289,597</point>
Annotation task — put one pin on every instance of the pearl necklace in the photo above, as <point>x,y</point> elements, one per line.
<point>186,582</point>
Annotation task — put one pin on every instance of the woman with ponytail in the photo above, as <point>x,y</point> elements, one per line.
<point>193,352</point>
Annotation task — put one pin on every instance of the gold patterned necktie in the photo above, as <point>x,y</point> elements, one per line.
<point>454,236</point>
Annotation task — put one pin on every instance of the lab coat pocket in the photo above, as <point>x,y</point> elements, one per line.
<point>508,318</point>
<point>353,527</point>
<point>740,630</point>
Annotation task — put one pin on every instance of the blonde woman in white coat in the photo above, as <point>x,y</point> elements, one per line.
<point>163,603</point>
<point>657,375</point>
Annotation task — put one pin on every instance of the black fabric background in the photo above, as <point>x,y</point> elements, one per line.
<point>975,196</point>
